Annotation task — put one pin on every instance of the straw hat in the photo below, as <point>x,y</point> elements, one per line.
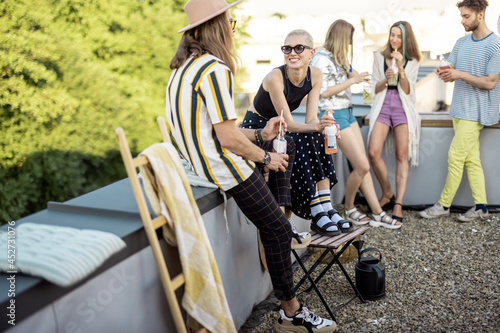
<point>200,11</point>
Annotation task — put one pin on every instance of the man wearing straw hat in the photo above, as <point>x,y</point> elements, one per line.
<point>201,116</point>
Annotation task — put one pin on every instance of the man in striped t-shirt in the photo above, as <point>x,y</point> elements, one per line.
<point>201,117</point>
<point>475,69</point>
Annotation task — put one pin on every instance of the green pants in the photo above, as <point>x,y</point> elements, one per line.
<point>464,150</point>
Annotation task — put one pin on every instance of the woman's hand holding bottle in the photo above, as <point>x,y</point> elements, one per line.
<point>396,55</point>
<point>326,120</point>
<point>389,73</point>
<point>331,134</point>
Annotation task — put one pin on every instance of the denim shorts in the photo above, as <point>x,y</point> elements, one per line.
<point>392,113</point>
<point>343,117</point>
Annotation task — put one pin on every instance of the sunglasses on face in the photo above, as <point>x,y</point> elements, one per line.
<point>232,23</point>
<point>299,48</point>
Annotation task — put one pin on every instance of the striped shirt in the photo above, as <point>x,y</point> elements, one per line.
<point>479,58</point>
<point>200,94</point>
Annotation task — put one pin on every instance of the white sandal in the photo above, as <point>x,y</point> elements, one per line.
<point>354,216</point>
<point>384,220</point>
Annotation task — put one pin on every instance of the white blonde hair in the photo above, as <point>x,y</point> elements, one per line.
<point>303,33</point>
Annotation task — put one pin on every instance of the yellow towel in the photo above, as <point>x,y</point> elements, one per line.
<point>169,193</point>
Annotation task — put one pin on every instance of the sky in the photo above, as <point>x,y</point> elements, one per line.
<point>436,24</point>
<point>358,6</point>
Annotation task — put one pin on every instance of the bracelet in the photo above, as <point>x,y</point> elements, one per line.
<point>258,135</point>
<point>403,75</point>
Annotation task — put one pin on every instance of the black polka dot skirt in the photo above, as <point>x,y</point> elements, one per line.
<point>310,166</point>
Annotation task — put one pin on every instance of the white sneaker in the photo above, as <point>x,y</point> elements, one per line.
<point>473,214</point>
<point>435,211</point>
<point>304,321</point>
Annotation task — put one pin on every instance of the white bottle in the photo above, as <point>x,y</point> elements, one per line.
<point>444,64</point>
<point>330,137</point>
<point>279,143</point>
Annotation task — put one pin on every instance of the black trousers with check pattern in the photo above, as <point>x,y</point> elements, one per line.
<point>258,204</point>
<point>279,182</point>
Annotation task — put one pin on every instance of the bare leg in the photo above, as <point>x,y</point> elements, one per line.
<point>323,185</point>
<point>368,191</point>
<point>290,307</point>
<point>402,167</point>
<point>366,185</point>
<point>357,153</point>
<point>377,139</point>
<point>351,144</point>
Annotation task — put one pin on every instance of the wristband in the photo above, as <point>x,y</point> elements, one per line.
<point>258,135</point>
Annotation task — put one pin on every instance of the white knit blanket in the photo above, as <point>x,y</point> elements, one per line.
<point>61,255</point>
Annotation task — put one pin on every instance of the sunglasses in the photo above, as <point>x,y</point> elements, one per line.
<point>299,48</point>
<point>233,24</point>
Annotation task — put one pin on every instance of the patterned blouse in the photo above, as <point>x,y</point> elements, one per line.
<point>333,74</point>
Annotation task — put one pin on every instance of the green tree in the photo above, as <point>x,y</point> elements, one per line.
<point>72,71</point>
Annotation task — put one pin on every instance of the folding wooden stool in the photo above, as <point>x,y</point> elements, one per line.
<point>329,245</point>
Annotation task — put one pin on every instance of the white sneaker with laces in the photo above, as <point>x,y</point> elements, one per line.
<point>304,321</point>
<point>435,211</point>
<point>473,214</point>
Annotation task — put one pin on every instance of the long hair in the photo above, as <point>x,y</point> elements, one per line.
<point>338,41</point>
<point>214,36</point>
<point>409,40</point>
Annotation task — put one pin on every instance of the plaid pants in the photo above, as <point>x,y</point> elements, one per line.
<point>256,201</point>
<point>279,182</point>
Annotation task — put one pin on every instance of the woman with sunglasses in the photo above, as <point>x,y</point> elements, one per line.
<point>202,118</point>
<point>335,94</point>
<point>394,108</point>
<point>313,174</point>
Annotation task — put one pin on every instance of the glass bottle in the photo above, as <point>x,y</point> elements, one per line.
<point>367,93</point>
<point>393,81</point>
<point>279,143</point>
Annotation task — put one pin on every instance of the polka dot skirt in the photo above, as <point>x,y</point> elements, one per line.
<point>311,165</point>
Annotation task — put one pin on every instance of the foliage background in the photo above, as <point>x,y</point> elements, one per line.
<point>71,72</point>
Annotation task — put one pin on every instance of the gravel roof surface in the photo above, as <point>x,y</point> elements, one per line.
<point>441,276</point>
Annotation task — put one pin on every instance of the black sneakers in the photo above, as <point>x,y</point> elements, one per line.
<point>303,321</point>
